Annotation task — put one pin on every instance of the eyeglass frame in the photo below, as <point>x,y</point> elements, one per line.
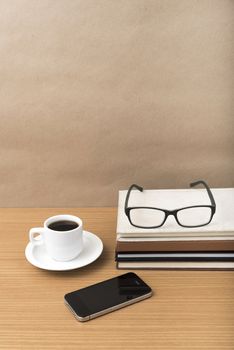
<point>174,211</point>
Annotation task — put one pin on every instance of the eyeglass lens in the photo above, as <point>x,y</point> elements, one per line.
<point>190,217</point>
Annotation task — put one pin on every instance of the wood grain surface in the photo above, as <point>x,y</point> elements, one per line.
<point>189,309</point>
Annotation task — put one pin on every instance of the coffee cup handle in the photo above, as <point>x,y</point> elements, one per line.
<point>39,238</point>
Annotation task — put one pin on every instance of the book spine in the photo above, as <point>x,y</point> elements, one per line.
<point>168,256</point>
<point>163,259</point>
<point>175,268</point>
<point>175,246</point>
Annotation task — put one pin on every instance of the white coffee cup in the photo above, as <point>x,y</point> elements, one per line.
<point>60,245</point>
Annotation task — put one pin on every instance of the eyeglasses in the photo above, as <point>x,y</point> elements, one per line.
<point>150,217</point>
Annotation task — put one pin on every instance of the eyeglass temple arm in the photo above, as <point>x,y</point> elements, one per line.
<point>128,194</point>
<point>207,188</point>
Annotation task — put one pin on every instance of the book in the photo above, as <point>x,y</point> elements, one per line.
<point>172,246</point>
<point>176,256</point>
<point>166,246</point>
<point>176,265</point>
<point>222,224</point>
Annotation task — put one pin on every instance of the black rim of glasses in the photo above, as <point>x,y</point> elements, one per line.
<point>173,212</point>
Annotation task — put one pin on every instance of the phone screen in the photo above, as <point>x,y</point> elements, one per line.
<point>106,294</point>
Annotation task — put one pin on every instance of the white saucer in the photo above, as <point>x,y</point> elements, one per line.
<point>37,255</point>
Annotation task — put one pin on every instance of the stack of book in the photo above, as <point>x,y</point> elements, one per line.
<point>172,246</point>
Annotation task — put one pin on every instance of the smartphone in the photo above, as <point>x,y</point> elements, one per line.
<point>107,296</point>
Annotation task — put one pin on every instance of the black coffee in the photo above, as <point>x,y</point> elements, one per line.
<point>63,225</point>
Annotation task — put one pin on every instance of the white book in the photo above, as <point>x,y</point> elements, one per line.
<point>173,238</point>
<point>222,224</point>
<point>168,265</point>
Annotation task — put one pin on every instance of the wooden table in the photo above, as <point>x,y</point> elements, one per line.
<point>189,310</point>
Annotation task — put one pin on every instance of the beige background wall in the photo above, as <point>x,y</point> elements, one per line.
<point>95,95</point>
